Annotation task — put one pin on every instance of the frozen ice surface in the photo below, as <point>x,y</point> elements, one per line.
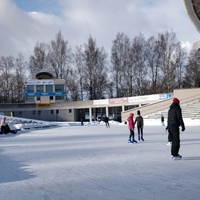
<point>97,163</point>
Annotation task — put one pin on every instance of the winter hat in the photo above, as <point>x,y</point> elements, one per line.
<point>131,115</point>
<point>138,112</point>
<point>175,100</point>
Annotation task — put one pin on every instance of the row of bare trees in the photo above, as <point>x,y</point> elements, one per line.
<point>137,66</point>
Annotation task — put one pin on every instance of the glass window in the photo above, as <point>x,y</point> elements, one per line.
<point>30,99</point>
<point>39,88</point>
<point>59,88</point>
<point>51,98</point>
<point>49,88</point>
<point>38,98</point>
<point>30,88</point>
<point>59,98</point>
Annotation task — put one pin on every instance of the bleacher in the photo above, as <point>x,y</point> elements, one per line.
<point>189,102</point>
<point>189,110</point>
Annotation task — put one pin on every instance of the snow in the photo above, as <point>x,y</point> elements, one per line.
<point>66,161</point>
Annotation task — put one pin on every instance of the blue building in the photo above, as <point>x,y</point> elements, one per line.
<point>44,88</point>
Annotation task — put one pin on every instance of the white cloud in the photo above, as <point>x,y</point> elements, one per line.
<point>21,30</point>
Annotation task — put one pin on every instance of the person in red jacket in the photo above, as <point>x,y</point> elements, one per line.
<point>131,126</point>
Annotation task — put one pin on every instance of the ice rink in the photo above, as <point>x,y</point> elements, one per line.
<point>96,163</point>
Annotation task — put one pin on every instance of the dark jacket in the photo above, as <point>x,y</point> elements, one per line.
<point>106,119</point>
<point>175,116</point>
<point>139,121</point>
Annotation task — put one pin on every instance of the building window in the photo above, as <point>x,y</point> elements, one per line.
<point>39,88</point>
<point>70,110</point>
<point>30,88</point>
<point>30,99</point>
<point>52,111</point>
<point>59,98</point>
<point>38,98</point>
<point>20,112</point>
<point>59,88</point>
<point>57,111</point>
<point>51,98</point>
<point>49,88</point>
<point>39,112</point>
<point>33,113</point>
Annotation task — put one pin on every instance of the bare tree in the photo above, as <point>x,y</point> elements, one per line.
<point>95,71</point>
<point>20,70</point>
<point>168,44</point>
<point>79,65</point>
<point>139,68</point>
<point>60,56</point>
<point>120,65</point>
<point>6,78</point>
<point>153,61</point>
<point>38,61</point>
<point>192,73</point>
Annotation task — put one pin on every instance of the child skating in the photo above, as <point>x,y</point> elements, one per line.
<point>131,126</point>
<point>140,124</point>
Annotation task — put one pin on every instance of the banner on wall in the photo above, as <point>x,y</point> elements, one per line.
<point>39,94</point>
<point>154,97</point>
<point>165,96</point>
<point>118,100</point>
<point>101,102</point>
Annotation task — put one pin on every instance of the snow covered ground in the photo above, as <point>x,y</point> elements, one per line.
<point>67,161</point>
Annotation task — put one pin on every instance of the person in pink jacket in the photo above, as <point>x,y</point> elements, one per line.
<point>131,126</point>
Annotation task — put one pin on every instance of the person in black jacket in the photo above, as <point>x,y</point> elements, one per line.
<point>106,120</point>
<point>175,120</point>
<point>139,121</point>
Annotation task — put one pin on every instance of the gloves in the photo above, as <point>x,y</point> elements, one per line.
<point>183,128</point>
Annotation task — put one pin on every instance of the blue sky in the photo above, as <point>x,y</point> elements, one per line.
<point>23,23</point>
<point>46,6</point>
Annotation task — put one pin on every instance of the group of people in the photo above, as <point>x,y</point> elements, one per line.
<point>175,121</point>
<point>131,126</point>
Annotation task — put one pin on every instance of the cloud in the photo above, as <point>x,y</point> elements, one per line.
<point>21,28</point>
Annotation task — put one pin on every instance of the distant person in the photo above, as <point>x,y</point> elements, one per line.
<point>82,121</point>
<point>131,126</point>
<point>3,125</point>
<point>175,120</point>
<point>140,123</point>
<point>106,120</point>
<point>162,120</point>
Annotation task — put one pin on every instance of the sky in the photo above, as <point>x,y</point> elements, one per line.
<point>24,23</point>
<point>73,162</point>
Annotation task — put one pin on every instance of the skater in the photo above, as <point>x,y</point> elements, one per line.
<point>175,120</point>
<point>139,120</point>
<point>131,126</point>
<point>3,125</point>
<point>169,137</point>
<point>162,120</point>
<point>106,120</point>
<point>82,121</point>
